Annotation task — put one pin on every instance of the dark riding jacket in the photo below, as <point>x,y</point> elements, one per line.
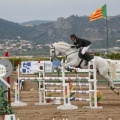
<point>81,43</point>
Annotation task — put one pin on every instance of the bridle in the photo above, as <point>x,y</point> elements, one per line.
<point>63,53</point>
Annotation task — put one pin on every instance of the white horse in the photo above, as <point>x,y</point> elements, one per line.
<point>72,59</point>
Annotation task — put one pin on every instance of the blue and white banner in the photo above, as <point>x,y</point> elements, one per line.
<point>31,67</point>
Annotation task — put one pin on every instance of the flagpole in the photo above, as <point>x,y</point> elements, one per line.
<point>107,35</point>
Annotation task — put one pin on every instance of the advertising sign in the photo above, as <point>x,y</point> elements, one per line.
<point>31,67</point>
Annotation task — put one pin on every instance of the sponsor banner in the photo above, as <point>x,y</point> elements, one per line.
<point>31,67</point>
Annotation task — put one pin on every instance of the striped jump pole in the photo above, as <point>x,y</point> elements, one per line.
<point>74,84</point>
<point>54,78</point>
<point>81,99</point>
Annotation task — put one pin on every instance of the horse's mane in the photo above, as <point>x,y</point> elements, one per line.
<point>61,43</point>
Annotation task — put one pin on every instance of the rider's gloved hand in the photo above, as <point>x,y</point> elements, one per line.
<point>72,46</point>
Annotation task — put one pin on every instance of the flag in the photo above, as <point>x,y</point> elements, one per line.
<point>99,13</point>
<point>19,62</point>
<point>6,54</point>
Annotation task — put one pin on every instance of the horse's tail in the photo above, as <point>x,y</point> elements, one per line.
<point>113,68</point>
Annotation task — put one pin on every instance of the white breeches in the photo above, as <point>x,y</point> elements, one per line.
<point>85,49</point>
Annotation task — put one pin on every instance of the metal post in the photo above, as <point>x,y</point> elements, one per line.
<point>95,87</point>
<point>18,89</point>
<point>107,35</point>
<point>90,87</point>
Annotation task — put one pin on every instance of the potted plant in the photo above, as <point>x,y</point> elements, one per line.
<point>99,98</point>
<point>48,95</point>
<point>5,108</point>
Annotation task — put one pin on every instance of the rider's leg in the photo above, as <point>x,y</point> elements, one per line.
<point>85,49</point>
<point>84,55</point>
<point>86,59</point>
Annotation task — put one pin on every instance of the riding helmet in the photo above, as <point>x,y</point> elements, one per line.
<point>72,35</point>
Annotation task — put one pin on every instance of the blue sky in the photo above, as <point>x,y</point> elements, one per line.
<point>26,10</point>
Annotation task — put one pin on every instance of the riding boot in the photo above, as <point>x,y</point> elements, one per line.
<point>86,59</point>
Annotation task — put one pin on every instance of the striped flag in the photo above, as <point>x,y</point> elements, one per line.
<point>99,13</point>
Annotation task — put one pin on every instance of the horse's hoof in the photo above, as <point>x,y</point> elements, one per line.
<point>117,92</point>
<point>72,99</point>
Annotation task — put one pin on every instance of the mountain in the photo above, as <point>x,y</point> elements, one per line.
<point>36,22</point>
<point>10,30</point>
<point>60,30</point>
<point>94,31</point>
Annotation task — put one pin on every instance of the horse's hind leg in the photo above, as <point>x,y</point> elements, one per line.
<point>107,77</point>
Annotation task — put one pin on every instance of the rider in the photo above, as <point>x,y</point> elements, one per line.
<point>79,42</point>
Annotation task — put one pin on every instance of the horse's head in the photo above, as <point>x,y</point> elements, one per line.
<point>59,48</point>
<point>53,52</point>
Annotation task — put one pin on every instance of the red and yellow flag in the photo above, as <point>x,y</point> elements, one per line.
<point>99,13</point>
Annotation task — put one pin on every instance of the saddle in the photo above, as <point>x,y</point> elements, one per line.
<point>88,56</point>
<point>90,52</point>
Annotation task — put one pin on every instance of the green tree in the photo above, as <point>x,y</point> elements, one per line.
<point>5,108</point>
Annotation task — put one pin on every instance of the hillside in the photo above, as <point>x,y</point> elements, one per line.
<point>60,30</point>
<point>10,30</point>
<point>82,27</point>
<point>36,22</point>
